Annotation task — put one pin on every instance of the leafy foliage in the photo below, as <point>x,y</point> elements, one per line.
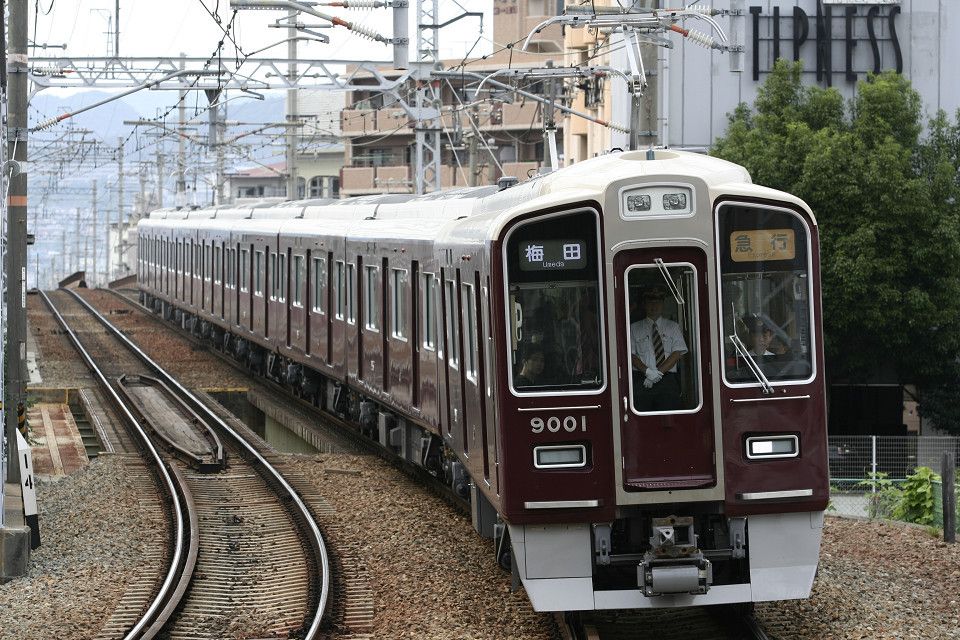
<point>917,502</point>
<point>888,205</point>
<point>884,495</point>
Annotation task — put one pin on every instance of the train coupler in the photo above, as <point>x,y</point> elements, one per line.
<point>674,564</point>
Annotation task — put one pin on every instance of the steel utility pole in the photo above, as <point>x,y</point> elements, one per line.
<point>292,191</point>
<point>181,198</point>
<point>16,302</point>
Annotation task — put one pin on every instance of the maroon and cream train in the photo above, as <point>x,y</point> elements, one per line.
<point>411,316</point>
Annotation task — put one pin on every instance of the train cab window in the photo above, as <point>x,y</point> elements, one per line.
<point>766,292</point>
<point>398,311</point>
<point>371,310</point>
<point>429,330</point>
<point>244,270</point>
<point>297,290</point>
<point>664,350</point>
<point>258,273</point>
<point>349,294</point>
<point>319,278</point>
<point>553,305</point>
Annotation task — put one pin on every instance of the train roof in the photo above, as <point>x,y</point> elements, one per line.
<point>481,211</point>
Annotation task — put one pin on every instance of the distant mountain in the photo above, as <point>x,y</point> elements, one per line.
<point>106,121</point>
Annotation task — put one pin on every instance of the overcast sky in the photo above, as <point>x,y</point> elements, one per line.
<point>168,27</point>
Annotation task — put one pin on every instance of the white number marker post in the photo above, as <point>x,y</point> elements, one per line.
<point>29,490</point>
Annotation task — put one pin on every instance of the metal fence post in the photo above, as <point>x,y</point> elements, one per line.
<point>948,475</point>
<point>873,463</point>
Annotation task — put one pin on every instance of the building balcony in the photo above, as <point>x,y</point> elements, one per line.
<point>357,181</point>
<point>357,121</point>
<point>521,170</point>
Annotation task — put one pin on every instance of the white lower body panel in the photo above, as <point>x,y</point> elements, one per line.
<point>555,563</point>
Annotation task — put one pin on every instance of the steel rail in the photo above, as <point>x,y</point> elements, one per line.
<point>184,550</point>
<point>315,537</point>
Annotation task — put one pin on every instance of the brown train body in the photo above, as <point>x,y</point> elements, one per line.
<point>415,318</point>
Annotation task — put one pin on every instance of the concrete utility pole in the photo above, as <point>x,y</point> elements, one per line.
<point>160,176</point>
<point>96,238</point>
<point>291,160</point>
<point>16,302</point>
<point>76,244</point>
<point>181,197</point>
<point>120,240</point>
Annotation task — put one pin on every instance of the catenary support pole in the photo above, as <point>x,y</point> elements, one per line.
<point>16,344</point>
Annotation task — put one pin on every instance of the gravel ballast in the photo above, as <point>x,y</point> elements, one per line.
<point>433,577</point>
<point>95,529</point>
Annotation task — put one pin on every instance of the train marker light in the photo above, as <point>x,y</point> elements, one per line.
<point>765,447</point>
<point>559,456</point>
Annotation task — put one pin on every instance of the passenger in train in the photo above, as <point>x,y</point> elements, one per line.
<point>531,371</point>
<point>760,338</point>
<point>657,345</point>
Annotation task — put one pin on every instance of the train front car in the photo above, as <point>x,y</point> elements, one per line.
<point>662,420</point>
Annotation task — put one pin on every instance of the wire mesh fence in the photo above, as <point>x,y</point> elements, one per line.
<point>867,472</point>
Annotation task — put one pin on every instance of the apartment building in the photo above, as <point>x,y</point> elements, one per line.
<point>498,134</point>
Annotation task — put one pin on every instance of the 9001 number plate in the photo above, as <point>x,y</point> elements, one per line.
<point>554,424</point>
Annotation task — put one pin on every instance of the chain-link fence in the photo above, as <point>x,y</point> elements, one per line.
<point>866,472</point>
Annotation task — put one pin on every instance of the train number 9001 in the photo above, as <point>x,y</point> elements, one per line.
<point>554,424</point>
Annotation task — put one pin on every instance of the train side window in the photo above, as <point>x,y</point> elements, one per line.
<point>468,307</point>
<point>370,308</point>
<point>319,277</point>
<point>398,314</point>
<point>258,273</point>
<point>339,290</point>
<point>297,280</point>
<point>244,270</point>
<point>767,295</point>
<point>429,331</point>
<point>663,338</point>
<point>350,298</point>
<point>217,265</point>
<point>282,277</point>
<point>207,270</point>
<point>452,325</point>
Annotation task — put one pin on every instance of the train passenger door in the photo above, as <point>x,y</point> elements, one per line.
<point>668,439</point>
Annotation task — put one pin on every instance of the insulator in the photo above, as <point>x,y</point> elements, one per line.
<point>366,33</point>
<point>47,71</point>
<point>701,39</point>
<point>363,4</point>
<point>619,127</point>
<point>701,9</point>
<point>46,124</point>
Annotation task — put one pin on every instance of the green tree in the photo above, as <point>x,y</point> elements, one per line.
<point>886,200</point>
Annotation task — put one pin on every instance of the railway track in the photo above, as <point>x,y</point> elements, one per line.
<point>719,622</point>
<point>244,555</point>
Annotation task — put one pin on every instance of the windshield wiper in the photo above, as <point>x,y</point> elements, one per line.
<point>751,363</point>
<point>674,290</point>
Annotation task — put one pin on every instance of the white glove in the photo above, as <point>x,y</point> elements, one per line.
<point>653,374</point>
<point>648,384</point>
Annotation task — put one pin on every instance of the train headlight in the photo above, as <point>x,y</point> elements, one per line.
<point>566,456</point>
<point>675,201</point>
<point>656,200</point>
<point>780,446</point>
<point>636,204</point>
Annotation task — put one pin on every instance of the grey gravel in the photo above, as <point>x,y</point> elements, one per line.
<point>94,532</point>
